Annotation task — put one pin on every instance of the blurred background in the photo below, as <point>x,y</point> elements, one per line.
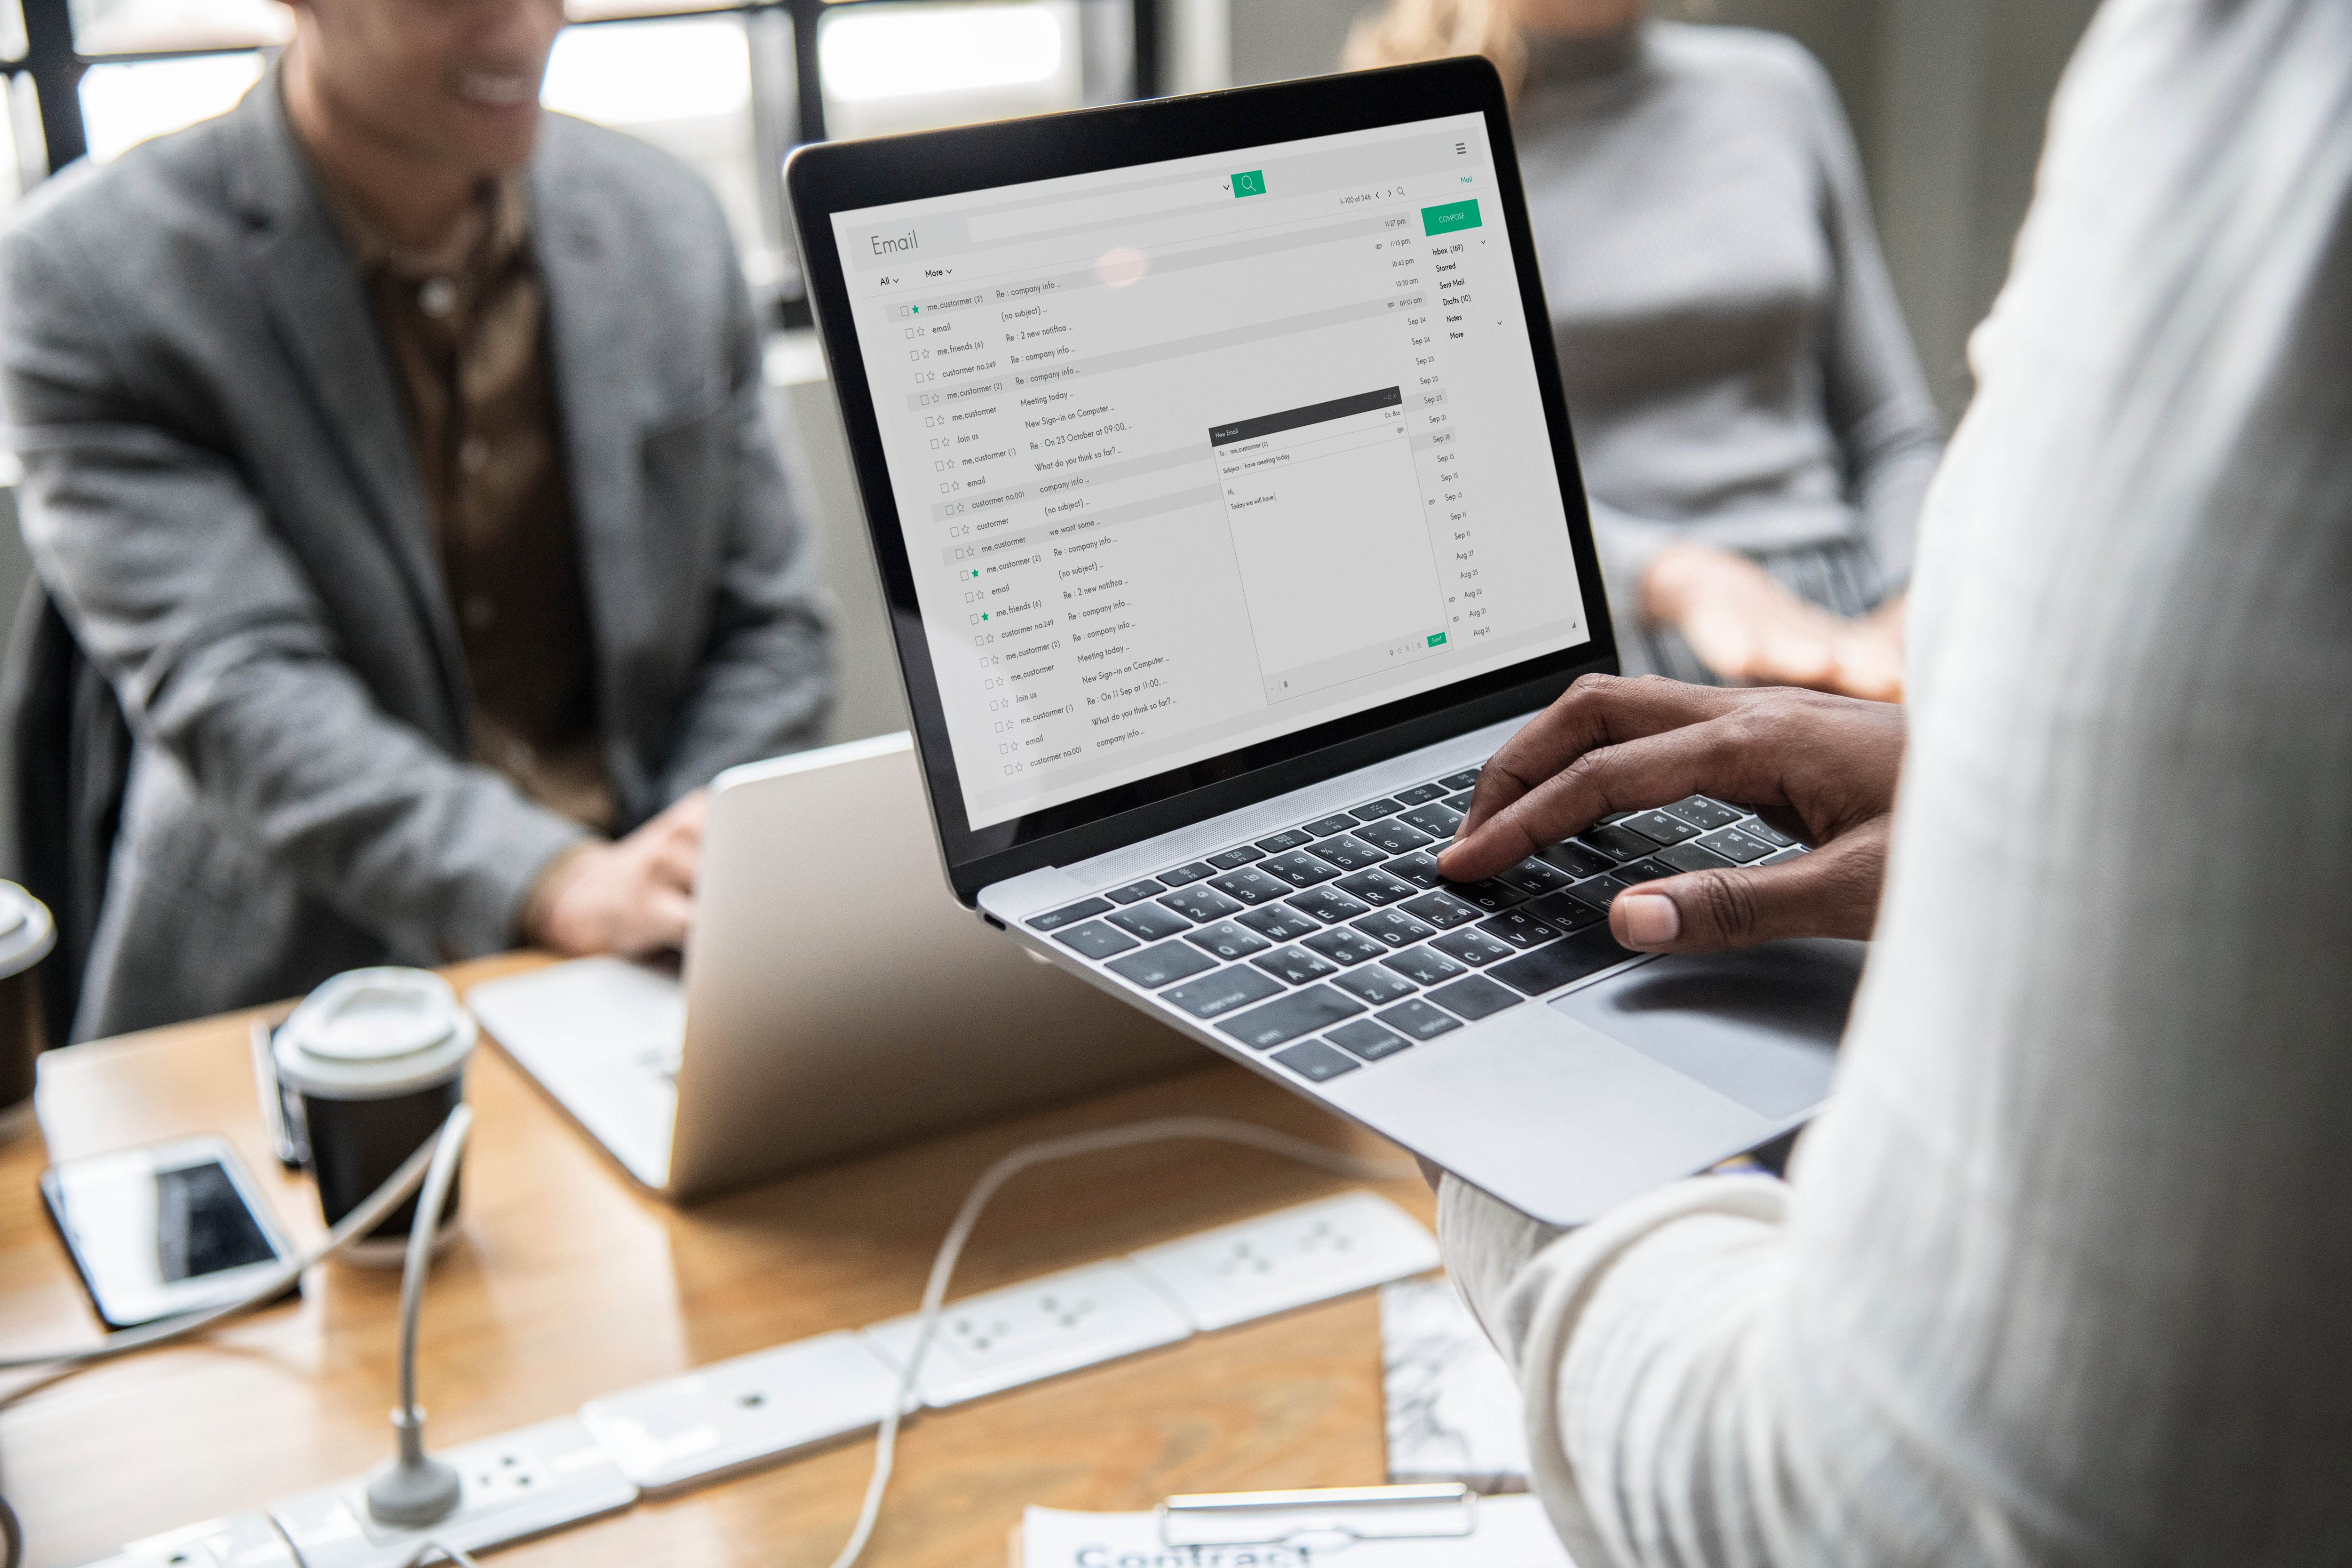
<point>1947,97</point>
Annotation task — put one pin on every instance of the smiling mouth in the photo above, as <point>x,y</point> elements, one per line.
<point>495,90</point>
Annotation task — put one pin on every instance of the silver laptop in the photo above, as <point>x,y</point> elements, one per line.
<point>832,999</point>
<point>1217,473</point>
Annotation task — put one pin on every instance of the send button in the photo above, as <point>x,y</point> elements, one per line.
<point>1449,218</point>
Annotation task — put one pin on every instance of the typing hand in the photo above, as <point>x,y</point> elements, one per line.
<point>1822,768</point>
<point>631,898</point>
<point>1749,629</point>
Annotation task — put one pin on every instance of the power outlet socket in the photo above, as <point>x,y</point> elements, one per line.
<point>752,1410</point>
<point>985,1344</point>
<point>241,1540</point>
<point>1289,1259</point>
<point>520,1484</point>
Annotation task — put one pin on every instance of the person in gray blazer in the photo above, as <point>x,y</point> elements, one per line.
<point>400,455</point>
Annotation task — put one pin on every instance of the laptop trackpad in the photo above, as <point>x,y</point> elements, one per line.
<point>1760,1026</point>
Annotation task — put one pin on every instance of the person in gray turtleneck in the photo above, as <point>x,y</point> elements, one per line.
<point>1754,432</point>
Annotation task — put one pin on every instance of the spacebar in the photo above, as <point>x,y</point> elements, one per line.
<point>1549,968</point>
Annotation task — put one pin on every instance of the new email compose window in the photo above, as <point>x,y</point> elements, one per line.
<point>1189,455</point>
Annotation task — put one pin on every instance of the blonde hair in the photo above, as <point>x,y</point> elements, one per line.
<point>1410,30</point>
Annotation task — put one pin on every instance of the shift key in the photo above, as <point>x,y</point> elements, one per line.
<point>1222,992</point>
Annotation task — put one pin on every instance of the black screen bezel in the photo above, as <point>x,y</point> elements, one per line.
<point>832,177</point>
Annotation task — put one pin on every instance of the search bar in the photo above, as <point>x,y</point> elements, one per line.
<point>1149,202</point>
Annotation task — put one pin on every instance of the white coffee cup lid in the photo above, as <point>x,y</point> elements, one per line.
<point>26,932</point>
<point>370,1033</point>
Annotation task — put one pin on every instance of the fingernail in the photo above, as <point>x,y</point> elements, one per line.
<point>1650,919</point>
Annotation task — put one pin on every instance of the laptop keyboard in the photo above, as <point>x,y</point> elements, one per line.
<point>1335,944</point>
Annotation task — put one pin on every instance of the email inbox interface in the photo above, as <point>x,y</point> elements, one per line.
<point>1194,455</point>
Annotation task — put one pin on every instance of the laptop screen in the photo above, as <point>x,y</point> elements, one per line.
<point>1189,455</point>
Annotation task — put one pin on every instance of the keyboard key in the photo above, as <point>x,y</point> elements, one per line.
<point>1348,852</point>
<point>1443,910</point>
<point>1599,891</point>
<point>1422,965</point>
<point>1374,985</point>
<point>1704,814</point>
<point>1201,903</point>
<point>1096,940</point>
<point>1068,914</point>
<point>1315,1061</point>
<point>1491,896</point>
<point>1474,999</point>
<point>1295,964</point>
<point>1757,828</point>
<point>1575,859</point>
<point>1277,922</point>
<point>1535,877</point>
<point>1393,836</point>
<point>1690,858</point>
<point>1373,810</point>
<point>1660,829</point>
<point>1472,947</point>
<point>1733,845</point>
<point>1420,794</point>
<point>1462,780</point>
<point>1419,868</point>
<point>1521,930</point>
<point>1648,870</point>
<point>1377,888</point>
<point>1183,874</point>
<point>1161,965</point>
<point>1433,820</point>
<point>1299,868</point>
<point>1232,858</point>
<point>1328,905</point>
<point>1250,885</point>
<point>1567,911</point>
<point>1348,947</point>
<point>1227,939</point>
<point>1618,843</point>
<point>1323,826</point>
<point>1304,1012</point>
<point>1417,1019</point>
<point>1368,1040</point>
<point>1393,928</point>
<point>1460,803</point>
<point>1222,992</point>
<point>1149,921</point>
<point>1564,963</point>
<point>1297,837</point>
<point>1774,858</point>
<point>1135,891</point>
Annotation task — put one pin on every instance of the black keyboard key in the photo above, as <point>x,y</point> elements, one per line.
<point>1393,928</point>
<point>1295,964</point>
<point>1368,1040</point>
<point>1297,837</point>
<point>1347,852</point>
<point>1649,870</point>
<point>1419,868</point>
<point>1161,965</point>
<point>1299,868</point>
<point>1443,910</point>
<point>1393,836</point>
<point>1472,947</point>
<point>1521,930</point>
<point>1690,858</point>
<point>1315,1061</point>
<point>1306,1012</point>
<point>1564,963</point>
<point>1535,877</point>
<point>1374,985</point>
<point>1068,914</point>
<point>1277,922</point>
<point>1417,1019</point>
<point>1576,859</point>
<point>1433,820</point>
<point>1201,903</point>
<point>1774,858</point>
<point>1241,857</point>
<point>1328,905</point>
<point>1422,965</point>
<point>1135,891</point>
<point>1250,885</point>
<point>1704,814</point>
<point>1375,888</point>
<point>1567,911</point>
<point>1460,803</point>
<point>1348,947</point>
<point>1183,874</point>
<point>1373,810</point>
<point>1732,845</point>
<point>1490,895</point>
<point>1759,828</point>
<point>1462,780</point>
<point>1096,940</point>
<point>1149,921</point>
<point>1598,892</point>
<point>1620,844</point>
<point>1661,828</point>
<point>1420,794</point>
<point>1227,939</point>
<point>1324,825</point>
<point>1474,999</point>
<point>1222,992</point>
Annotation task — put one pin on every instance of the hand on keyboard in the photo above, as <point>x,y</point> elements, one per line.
<point>1820,768</point>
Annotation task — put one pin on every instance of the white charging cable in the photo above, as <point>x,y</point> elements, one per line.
<point>1215,1128</point>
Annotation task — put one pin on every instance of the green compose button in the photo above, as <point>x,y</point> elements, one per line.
<point>1449,218</point>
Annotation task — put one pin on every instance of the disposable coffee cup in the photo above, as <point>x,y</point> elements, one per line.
<point>26,935</point>
<point>373,1061</point>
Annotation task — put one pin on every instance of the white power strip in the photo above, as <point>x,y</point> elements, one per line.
<point>1026,1333</point>
<point>1280,1261</point>
<point>241,1540</point>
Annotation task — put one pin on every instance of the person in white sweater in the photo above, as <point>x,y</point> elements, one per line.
<point>2062,1274</point>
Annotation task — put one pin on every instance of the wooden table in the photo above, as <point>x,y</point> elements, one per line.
<point>570,1283</point>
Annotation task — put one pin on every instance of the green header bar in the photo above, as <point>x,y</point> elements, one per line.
<point>1449,218</point>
